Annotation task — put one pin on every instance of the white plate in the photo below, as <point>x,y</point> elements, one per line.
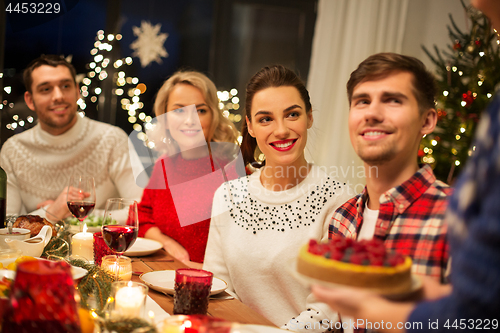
<point>143,247</point>
<point>76,272</point>
<point>255,329</point>
<point>7,273</point>
<point>163,281</point>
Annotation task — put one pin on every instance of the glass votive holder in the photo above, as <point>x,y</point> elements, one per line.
<point>100,248</point>
<point>192,290</point>
<point>42,299</point>
<point>123,266</point>
<point>128,299</point>
<point>195,323</point>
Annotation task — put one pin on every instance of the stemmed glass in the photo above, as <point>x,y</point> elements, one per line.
<point>81,196</point>
<point>120,226</point>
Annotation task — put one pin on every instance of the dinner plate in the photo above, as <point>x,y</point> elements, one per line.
<point>163,281</point>
<point>143,247</point>
<point>76,272</point>
<point>416,284</point>
<point>255,329</point>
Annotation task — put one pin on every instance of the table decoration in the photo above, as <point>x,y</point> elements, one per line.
<point>100,248</point>
<point>42,299</point>
<point>195,324</point>
<point>126,325</point>
<point>120,267</point>
<point>128,299</point>
<point>192,289</point>
<point>82,244</point>
<point>95,287</point>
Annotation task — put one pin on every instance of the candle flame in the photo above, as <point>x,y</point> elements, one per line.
<point>84,227</point>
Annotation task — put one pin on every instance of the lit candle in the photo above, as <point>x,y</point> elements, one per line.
<point>82,244</point>
<point>111,264</point>
<point>129,300</point>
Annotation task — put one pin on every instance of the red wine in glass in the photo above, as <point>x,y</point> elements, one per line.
<point>81,196</point>
<point>119,238</point>
<point>120,225</point>
<point>80,209</point>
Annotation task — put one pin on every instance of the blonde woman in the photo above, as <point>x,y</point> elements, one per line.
<point>176,205</point>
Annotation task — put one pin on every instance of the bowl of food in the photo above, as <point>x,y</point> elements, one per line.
<point>17,233</point>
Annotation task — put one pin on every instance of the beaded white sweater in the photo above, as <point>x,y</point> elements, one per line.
<point>39,165</point>
<point>254,239</point>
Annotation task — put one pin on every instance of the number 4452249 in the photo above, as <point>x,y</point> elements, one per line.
<point>33,8</point>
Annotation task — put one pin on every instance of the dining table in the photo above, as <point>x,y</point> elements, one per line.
<point>230,309</point>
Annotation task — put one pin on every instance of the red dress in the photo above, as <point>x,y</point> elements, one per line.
<point>178,199</point>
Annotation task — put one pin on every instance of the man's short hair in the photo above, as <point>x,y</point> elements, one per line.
<point>381,65</point>
<point>50,60</point>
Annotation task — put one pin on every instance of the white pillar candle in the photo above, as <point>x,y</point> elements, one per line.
<point>130,300</point>
<point>82,244</point>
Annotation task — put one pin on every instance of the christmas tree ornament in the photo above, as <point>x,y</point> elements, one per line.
<point>148,46</point>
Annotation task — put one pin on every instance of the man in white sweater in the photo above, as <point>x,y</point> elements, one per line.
<point>40,161</point>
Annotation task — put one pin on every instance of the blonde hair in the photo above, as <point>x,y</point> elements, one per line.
<point>221,129</point>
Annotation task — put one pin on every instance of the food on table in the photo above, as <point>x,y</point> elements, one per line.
<point>91,221</point>
<point>364,263</point>
<point>13,265</point>
<point>34,223</point>
<point>5,284</point>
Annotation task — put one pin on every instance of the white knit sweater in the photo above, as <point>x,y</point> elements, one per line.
<point>39,165</point>
<point>255,236</point>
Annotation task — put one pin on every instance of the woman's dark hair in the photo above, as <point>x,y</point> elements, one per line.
<point>267,77</point>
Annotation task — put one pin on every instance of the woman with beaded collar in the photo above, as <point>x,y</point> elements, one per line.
<point>200,148</point>
<point>260,221</point>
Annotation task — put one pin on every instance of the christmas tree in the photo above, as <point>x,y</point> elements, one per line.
<point>467,76</point>
<point>108,72</point>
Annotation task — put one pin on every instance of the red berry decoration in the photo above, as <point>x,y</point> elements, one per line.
<point>366,252</point>
<point>468,98</point>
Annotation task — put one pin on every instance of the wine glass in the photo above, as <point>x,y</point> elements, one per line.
<point>81,196</point>
<point>120,226</point>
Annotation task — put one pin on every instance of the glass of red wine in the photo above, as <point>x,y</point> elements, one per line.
<point>120,226</point>
<point>81,196</point>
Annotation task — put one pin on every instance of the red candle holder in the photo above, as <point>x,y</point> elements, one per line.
<point>192,290</point>
<point>42,299</point>
<point>100,248</point>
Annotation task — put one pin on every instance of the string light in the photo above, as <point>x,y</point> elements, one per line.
<point>229,103</point>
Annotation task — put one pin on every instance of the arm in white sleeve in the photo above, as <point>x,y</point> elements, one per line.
<point>121,171</point>
<point>318,317</point>
<point>14,202</point>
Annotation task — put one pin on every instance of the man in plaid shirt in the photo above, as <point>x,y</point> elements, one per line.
<point>391,100</point>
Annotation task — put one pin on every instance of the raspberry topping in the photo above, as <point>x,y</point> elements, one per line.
<point>366,252</point>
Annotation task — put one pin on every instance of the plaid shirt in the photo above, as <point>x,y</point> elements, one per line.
<point>410,221</point>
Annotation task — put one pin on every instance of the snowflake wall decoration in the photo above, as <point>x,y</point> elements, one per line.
<point>148,46</point>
